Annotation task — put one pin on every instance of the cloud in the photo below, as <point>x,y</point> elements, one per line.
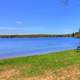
<point>2,27</point>
<point>10,28</point>
<point>18,22</point>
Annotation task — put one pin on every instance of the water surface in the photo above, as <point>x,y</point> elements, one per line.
<point>12,47</point>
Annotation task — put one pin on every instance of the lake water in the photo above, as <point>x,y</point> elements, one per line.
<point>12,47</point>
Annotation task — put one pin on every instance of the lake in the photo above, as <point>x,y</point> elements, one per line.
<point>12,47</point>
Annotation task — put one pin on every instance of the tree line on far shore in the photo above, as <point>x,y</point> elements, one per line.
<point>39,35</point>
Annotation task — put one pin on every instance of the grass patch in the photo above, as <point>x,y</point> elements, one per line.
<point>38,64</point>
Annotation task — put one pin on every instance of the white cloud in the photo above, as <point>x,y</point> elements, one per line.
<point>5,27</point>
<point>10,28</point>
<point>18,22</point>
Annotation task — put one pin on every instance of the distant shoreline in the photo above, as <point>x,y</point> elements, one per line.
<point>76,34</point>
<point>34,35</point>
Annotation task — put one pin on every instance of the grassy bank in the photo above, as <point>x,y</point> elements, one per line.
<point>51,65</point>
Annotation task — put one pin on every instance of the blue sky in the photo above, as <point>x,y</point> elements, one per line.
<point>39,16</point>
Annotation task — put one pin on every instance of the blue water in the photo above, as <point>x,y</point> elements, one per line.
<point>12,47</point>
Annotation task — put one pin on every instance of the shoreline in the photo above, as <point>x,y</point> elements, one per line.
<point>34,35</point>
<point>52,66</point>
<point>49,52</point>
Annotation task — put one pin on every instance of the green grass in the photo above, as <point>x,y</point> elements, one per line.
<point>36,65</point>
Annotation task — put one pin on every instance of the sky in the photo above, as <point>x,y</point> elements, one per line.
<point>39,16</point>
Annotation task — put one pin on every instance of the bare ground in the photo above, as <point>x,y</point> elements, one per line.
<point>69,73</point>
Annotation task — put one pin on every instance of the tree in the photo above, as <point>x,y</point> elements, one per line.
<point>73,34</point>
<point>79,30</point>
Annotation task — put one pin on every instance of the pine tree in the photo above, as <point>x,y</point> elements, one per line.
<point>79,30</point>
